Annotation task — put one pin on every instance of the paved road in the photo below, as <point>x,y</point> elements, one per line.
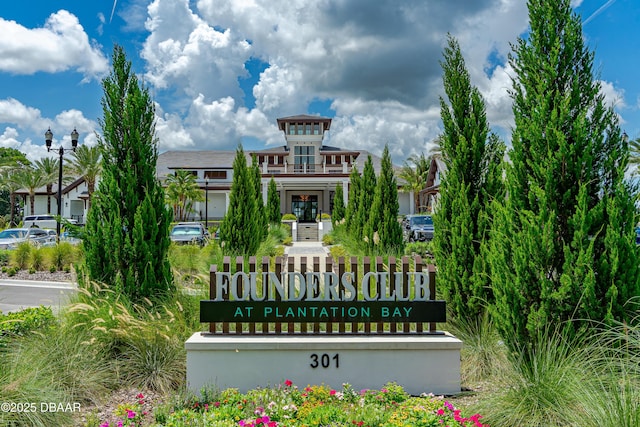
<point>19,294</point>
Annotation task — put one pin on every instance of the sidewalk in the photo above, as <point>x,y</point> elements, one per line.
<point>299,250</point>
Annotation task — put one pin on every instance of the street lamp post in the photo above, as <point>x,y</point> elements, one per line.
<point>48,138</point>
<point>206,203</point>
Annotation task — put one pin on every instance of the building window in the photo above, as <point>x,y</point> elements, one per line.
<point>316,128</point>
<point>215,174</point>
<point>304,155</point>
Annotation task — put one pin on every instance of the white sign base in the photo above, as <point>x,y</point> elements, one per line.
<point>419,363</point>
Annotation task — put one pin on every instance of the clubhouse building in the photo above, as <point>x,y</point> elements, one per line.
<point>305,170</point>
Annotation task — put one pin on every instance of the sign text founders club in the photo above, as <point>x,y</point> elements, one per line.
<point>321,297</point>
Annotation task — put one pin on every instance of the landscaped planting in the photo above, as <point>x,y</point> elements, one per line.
<point>286,405</point>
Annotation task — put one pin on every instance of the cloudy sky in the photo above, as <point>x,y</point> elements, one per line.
<point>222,71</point>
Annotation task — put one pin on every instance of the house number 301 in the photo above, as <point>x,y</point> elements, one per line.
<point>324,360</point>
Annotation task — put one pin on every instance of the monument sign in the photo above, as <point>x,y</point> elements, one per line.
<point>361,323</point>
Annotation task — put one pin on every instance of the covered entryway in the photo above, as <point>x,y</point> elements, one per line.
<point>304,207</point>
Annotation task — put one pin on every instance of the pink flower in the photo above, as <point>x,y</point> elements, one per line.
<point>332,393</point>
<point>288,383</point>
<point>440,411</point>
<point>130,414</point>
<point>106,424</point>
<point>119,424</point>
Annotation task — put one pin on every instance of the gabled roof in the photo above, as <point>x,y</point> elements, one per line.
<point>193,160</point>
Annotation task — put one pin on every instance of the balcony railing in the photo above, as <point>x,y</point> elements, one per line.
<point>306,169</point>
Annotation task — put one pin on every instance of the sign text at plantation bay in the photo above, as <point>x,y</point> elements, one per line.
<point>358,292</point>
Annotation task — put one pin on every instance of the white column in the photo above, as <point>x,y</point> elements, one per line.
<point>412,204</point>
<point>265,188</point>
<point>345,192</point>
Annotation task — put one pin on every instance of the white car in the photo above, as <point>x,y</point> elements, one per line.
<point>12,237</point>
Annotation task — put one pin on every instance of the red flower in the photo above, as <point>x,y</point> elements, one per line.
<point>288,383</point>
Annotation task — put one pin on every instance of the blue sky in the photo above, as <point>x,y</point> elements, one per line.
<point>222,71</point>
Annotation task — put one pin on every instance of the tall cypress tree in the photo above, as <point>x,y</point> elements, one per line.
<point>562,245</point>
<point>338,206</point>
<point>365,200</point>
<point>273,203</point>
<point>383,230</point>
<point>238,229</point>
<point>462,218</point>
<point>260,214</point>
<point>128,224</point>
<point>351,211</point>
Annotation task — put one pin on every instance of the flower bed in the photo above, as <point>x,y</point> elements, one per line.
<point>288,406</point>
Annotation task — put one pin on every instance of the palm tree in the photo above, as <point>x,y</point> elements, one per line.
<point>414,174</point>
<point>634,154</point>
<point>49,167</point>
<point>11,160</point>
<point>182,191</point>
<point>87,163</point>
<point>30,178</point>
<point>9,183</point>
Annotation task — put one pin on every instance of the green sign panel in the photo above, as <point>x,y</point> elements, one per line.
<point>322,311</point>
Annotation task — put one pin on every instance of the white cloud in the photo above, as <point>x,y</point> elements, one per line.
<point>612,96</point>
<point>13,111</point>
<point>60,45</point>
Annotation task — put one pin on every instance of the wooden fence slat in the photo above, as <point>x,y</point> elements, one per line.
<point>265,286</point>
<point>303,271</point>
<point>354,270</point>
<point>226,267</point>
<point>316,268</point>
<point>366,265</point>
<point>406,326</point>
<point>213,269</point>
<point>392,286</point>
<point>379,267</point>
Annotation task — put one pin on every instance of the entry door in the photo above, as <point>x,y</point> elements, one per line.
<point>305,207</point>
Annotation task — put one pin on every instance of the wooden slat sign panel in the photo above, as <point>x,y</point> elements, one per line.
<point>368,297</point>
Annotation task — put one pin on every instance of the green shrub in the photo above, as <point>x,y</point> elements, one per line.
<point>61,255</point>
<point>153,360</point>
<point>37,259</point>
<point>288,241</point>
<point>289,217</point>
<point>279,232</point>
<point>418,248</point>
<point>328,239</point>
<point>20,323</point>
<point>4,257</point>
<point>21,255</point>
<point>541,385</point>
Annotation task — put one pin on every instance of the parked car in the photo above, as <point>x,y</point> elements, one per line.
<point>41,221</point>
<point>418,228</point>
<point>189,233</point>
<point>12,237</point>
<point>637,235</point>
